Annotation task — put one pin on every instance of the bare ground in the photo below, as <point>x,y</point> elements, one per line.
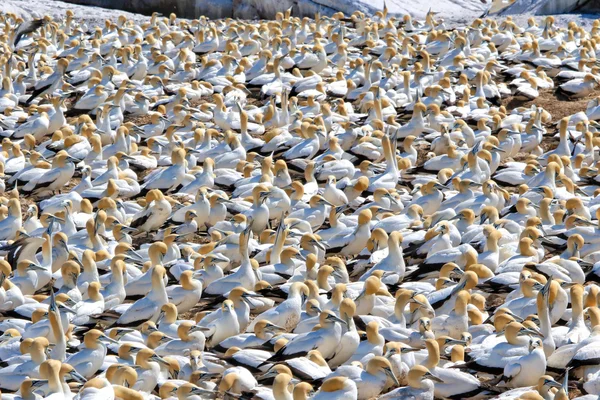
<point>557,105</point>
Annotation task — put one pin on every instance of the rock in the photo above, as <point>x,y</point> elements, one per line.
<point>28,9</point>
<point>459,10</point>
<point>548,7</point>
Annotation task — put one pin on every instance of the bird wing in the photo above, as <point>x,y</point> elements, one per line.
<point>210,330</point>
<point>141,310</point>
<point>512,370</point>
<point>341,240</point>
<point>269,315</point>
<point>7,228</point>
<point>162,180</point>
<point>27,27</point>
<point>444,256</point>
<point>300,150</point>
<point>44,180</point>
<point>74,359</point>
<point>92,393</point>
<point>39,89</point>
<point>210,317</point>
<point>87,102</point>
<point>349,371</point>
<point>141,218</point>
<point>85,368</point>
<point>304,344</point>
<point>177,295</point>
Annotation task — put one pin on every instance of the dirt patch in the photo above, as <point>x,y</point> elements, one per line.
<point>143,174</point>
<point>202,100</point>
<point>549,142</point>
<point>557,105</point>
<point>422,151</point>
<point>138,120</point>
<point>72,183</point>
<point>494,301</point>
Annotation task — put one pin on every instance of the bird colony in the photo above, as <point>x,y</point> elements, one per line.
<point>337,208</point>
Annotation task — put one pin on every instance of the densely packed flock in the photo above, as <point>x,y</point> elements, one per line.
<point>337,208</point>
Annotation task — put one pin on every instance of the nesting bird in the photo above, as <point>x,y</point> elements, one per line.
<point>328,208</point>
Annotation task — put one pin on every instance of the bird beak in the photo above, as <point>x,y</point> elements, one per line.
<point>532,332</point>
<point>77,376</point>
<point>201,392</point>
<point>408,350</point>
<point>552,383</point>
<point>275,328</point>
<point>35,267</point>
<point>158,359</point>
<point>122,332</point>
<point>320,245</point>
<point>268,374</point>
<point>413,300</point>
<point>38,383</point>
<point>68,309</point>
<point>205,377</point>
<point>390,373</point>
<point>433,377</point>
<point>334,318</point>
<point>360,296</point>
<point>53,306</point>
<point>134,255</point>
<point>546,289</point>
<point>195,328</point>
<point>109,339</point>
<point>323,201</point>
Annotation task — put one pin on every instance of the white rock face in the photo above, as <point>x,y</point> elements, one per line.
<point>28,9</point>
<point>451,10</point>
<point>547,7</point>
<point>214,9</point>
<point>415,8</point>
